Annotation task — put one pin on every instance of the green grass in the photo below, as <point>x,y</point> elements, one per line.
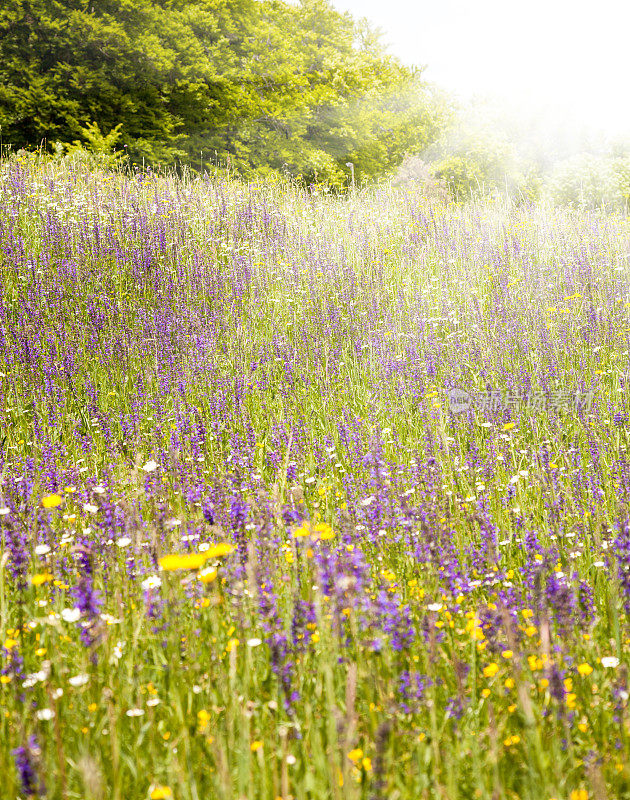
<point>294,354</point>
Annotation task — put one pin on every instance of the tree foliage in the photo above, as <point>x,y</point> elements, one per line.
<point>267,86</point>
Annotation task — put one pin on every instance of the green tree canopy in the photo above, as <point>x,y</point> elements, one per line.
<point>269,86</point>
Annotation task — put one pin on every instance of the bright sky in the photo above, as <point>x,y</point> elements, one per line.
<point>567,57</point>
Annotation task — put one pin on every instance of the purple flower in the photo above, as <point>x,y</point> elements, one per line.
<point>621,549</point>
<point>26,759</point>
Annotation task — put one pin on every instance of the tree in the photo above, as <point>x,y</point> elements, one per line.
<point>270,85</point>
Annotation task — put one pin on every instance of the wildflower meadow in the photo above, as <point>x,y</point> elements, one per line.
<point>255,546</point>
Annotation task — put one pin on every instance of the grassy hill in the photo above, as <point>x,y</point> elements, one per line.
<point>309,497</point>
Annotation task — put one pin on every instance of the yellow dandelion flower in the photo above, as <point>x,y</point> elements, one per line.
<point>255,746</point>
<point>43,577</point>
<point>507,654</point>
<point>355,755</point>
<point>183,561</point>
<point>491,670</point>
<point>52,500</point>
<point>473,627</point>
<point>324,530</point>
<point>219,550</point>
<point>161,793</point>
<point>301,532</point>
<point>585,669</point>
<point>207,575</point>
<point>508,426</point>
<point>367,764</point>
<point>534,662</point>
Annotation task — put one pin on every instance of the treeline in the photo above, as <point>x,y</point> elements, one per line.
<point>265,86</point>
<point>492,149</point>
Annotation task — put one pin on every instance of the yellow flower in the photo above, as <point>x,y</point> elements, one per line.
<point>474,629</point>
<point>10,643</point>
<point>355,755</point>
<point>183,561</point>
<point>512,740</point>
<point>161,793</point>
<point>52,500</point>
<point>509,683</point>
<point>231,645</point>
<point>367,764</point>
<point>491,670</point>
<point>207,575</point>
<point>508,426</point>
<point>585,669</point>
<point>579,794</point>
<point>534,662</point>
<point>219,550</point>
<point>324,530</point>
<point>254,746</point>
<point>203,717</point>
<point>43,577</point>
<point>507,654</point>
